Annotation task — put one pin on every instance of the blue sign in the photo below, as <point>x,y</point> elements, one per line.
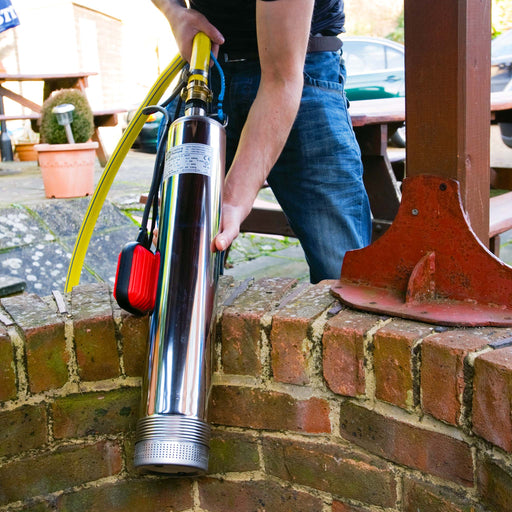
<point>8,16</point>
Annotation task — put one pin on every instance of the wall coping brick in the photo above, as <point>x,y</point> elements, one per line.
<point>304,390</point>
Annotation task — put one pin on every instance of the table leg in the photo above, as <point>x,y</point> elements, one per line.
<point>100,151</point>
<point>379,178</point>
<point>5,140</point>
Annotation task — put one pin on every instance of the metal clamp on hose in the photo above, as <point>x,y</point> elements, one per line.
<point>197,94</point>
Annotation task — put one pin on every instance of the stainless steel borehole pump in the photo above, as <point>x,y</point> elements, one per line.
<point>172,433</point>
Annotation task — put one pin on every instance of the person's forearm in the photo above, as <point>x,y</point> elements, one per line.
<point>263,138</point>
<point>282,47</point>
<point>282,31</point>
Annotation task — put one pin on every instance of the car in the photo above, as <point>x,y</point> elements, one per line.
<point>501,75</point>
<point>147,138</point>
<point>376,69</point>
<point>501,62</point>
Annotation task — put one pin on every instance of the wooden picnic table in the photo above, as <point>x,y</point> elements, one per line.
<point>51,82</point>
<point>374,121</point>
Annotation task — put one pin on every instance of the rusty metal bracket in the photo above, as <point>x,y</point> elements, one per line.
<point>429,265</point>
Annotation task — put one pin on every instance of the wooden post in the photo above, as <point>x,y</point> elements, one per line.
<point>447,67</point>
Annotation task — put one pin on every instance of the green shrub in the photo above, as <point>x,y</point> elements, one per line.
<point>83,121</point>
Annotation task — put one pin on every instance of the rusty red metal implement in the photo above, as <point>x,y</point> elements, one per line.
<point>429,265</point>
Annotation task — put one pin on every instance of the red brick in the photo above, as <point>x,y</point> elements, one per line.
<point>241,342</point>
<point>46,358</point>
<point>393,355</point>
<point>134,334</point>
<point>432,498</point>
<point>330,468</point>
<point>129,496</point>
<point>94,333</point>
<point>408,444</point>
<point>76,416</point>
<point>241,329</point>
<point>96,349</point>
<point>492,397</point>
<point>7,365</point>
<point>343,352</point>
<point>290,330</point>
<point>22,429</point>
<point>442,372</point>
<point>494,481</point>
<point>45,343</point>
<point>252,496</point>
<point>267,410</point>
<point>61,469</point>
<point>233,452</point>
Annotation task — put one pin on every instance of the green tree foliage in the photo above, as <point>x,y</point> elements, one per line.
<point>398,34</point>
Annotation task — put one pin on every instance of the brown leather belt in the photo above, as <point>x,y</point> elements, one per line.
<point>315,44</point>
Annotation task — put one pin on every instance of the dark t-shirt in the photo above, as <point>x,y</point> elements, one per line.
<point>236,20</point>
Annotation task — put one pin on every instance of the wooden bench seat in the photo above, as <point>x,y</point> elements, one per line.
<point>500,219</point>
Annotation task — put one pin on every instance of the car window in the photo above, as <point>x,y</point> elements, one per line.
<point>502,45</point>
<point>394,59</point>
<point>362,57</point>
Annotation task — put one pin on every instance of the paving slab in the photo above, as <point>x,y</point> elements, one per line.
<point>19,228</point>
<point>42,266</point>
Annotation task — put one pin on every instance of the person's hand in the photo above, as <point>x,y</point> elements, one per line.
<point>185,24</point>
<point>232,217</point>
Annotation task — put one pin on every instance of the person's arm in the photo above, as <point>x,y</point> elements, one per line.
<point>185,24</point>
<point>283,32</point>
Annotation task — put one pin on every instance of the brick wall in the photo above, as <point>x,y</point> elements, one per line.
<point>314,408</point>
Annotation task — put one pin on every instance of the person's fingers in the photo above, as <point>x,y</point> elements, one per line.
<point>230,227</point>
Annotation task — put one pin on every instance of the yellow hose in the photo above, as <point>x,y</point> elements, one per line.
<point>200,58</point>
<point>110,171</point>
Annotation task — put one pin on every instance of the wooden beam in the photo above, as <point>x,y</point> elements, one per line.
<point>447,68</point>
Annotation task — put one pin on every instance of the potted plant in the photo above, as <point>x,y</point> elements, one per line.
<point>66,154</point>
<point>24,147</point>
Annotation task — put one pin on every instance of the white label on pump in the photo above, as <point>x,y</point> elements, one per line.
<point>189,158</point>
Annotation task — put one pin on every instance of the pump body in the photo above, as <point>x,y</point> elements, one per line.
<point>172,432</point>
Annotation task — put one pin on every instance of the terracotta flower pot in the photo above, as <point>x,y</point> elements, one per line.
<point>26,152</point>
<point>67,169</point>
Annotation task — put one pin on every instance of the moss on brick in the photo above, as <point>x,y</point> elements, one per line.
<point>22,429</point>
<point>7,372</point>
<point>233,452</point>
<point>127,496</point>
<point>96,413</point>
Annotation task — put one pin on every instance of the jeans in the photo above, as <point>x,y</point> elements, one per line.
<point>317,180</point>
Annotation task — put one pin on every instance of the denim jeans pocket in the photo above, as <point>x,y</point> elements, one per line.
<point>323,69</point>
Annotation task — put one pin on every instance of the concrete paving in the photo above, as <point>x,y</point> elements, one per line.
<point>37,234</point>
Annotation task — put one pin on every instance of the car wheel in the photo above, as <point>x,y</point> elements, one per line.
<point>506,133</point>
<point>398,138</point>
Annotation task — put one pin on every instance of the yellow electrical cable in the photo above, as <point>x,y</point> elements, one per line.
<point>110,171</point>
